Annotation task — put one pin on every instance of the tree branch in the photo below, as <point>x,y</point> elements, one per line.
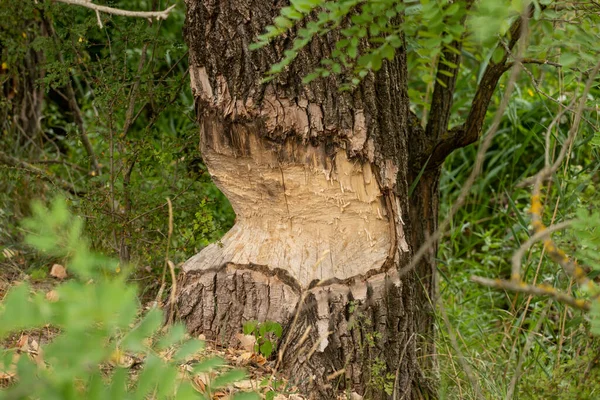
<point>534,290</point>
<point>31,169</point>
<point>467,133</point>
<point>534,61</point>
<point>117,11</point>
<point>445,83</point>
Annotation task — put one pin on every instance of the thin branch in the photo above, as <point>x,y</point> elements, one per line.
<point>117,11</point>
<point>569,266</point>
<point>31,169</point>
<point>133,93</point>
<point>470,131</point>
<point>534,61</point>
<point>543,234</point>
<point>548,169</point>
<point>534,290</point>
<point>528,343</point>
<point>62,162</point>
<point>461,358</point>
<point>445,82</point>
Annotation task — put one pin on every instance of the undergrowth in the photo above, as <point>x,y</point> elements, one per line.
<point>107,346</point>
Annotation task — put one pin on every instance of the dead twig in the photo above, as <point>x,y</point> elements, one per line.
<point>164,14</point>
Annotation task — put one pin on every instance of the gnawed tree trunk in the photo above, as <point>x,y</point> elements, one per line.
<point>319,181</point>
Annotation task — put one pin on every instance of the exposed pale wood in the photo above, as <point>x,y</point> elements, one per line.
<point>314,215</point>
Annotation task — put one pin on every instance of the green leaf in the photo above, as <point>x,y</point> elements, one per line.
<point>250,326</point>
<point>291,13</point>
<point>187,349</point>
<point>208,364</point>
<point>228,378</point>
<point>175,335</point>
<point>266,348</point>
<point>147,327</point>
<point>283,22</point>
<point>388,52</point>
<point>567,59</point>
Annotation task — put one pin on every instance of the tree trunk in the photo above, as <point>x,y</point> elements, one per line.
<point>319,180</point>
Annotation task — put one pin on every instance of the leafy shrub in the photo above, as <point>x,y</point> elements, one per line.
<point>100,329</point>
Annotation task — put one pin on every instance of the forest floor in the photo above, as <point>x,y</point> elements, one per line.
<point>261,376</point>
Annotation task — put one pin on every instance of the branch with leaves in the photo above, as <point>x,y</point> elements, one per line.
<point>469,132</point>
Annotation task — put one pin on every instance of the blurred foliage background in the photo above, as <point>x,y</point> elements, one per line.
<point>106,118</point>
<point>108,114</point>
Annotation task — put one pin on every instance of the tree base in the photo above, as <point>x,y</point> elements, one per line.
<point>338,336</point>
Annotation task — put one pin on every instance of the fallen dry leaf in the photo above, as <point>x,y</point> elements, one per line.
<point>120,359</point>
<point>244,357</point>
<point>260,359</point>
<point>8,253</point>
<point>37,354</point>
<point>52,296</point>
<point>23,343</point>
<point>58,271</point>
<point>6,377</point>
<point>199,382</point>
<point>246,341</point>
<point>244,384</point>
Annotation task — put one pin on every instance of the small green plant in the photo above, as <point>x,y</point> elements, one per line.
<point>38,274</point>
<point>275,387</point>
<point>264,332</point>
<point>100,325</point>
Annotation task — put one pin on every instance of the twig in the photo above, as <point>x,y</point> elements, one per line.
<point>77,115</point>
<point>164,273</point>
<point>20,164</point>
<point>534,290</point>
<point>534,61</point>
<point>543,234</point>
<point>133,93</point>
<point>117,11</point>
<point>549,170</point>
<point>470,131</point>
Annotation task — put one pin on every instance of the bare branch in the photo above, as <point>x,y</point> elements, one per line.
<point>461,358</point>
<point>534,290</point>
<point>528,343</point>
<point>569,265</point>
<point>548,169</point>
<point>534,61</point>
<point>117,11</point>
<point>543,234</point>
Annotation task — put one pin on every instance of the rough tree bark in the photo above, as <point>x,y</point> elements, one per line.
<point>319,180</point>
